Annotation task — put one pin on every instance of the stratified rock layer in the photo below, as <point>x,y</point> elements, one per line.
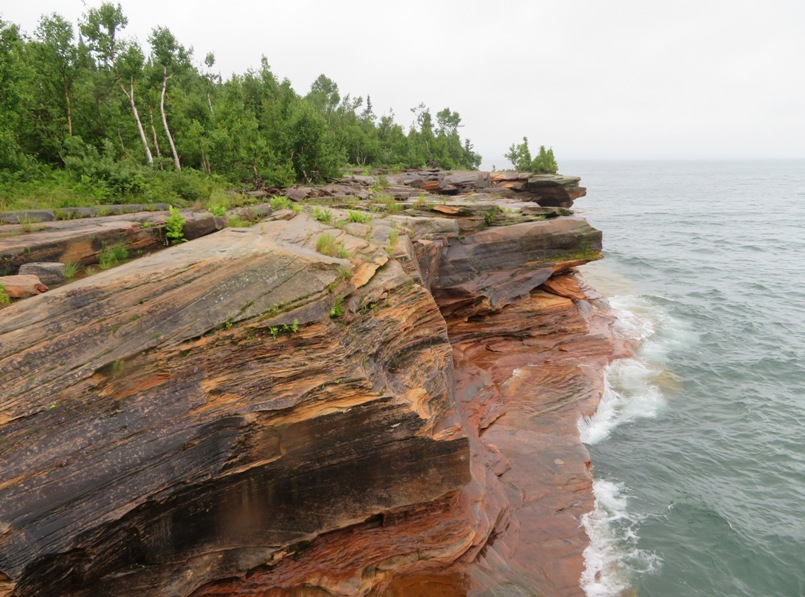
<point>242,414</point>
<point>184,417</point>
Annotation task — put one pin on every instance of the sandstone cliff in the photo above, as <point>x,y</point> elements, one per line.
<point>254,413</point>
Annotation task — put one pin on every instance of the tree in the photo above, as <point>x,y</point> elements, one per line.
<point>520,156</point>
<point>545,162</point>
<point>314,153</point>
<point>171,56</point>
<point>58,58</point>
<point>324,97</point>
<point>14,97</point>
<point>125,60</point>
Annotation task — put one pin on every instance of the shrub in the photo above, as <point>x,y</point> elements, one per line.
<point>520,157</point>
<point>174,226</point>
<point>4,298</point>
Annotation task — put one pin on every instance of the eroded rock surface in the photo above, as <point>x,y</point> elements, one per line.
<point>244,415</point>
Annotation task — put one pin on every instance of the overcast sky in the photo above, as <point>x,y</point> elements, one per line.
<point>593,79</point>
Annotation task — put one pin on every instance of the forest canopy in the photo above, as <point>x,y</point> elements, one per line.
<point>87,113</point>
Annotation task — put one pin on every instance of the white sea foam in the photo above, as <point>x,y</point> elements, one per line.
<point>632,387</point>
<point>612,558</point>
<point>629,394</point>
<point>632,390</point>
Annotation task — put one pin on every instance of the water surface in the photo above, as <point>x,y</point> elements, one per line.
<point>699,445</point>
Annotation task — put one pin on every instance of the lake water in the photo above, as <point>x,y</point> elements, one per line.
<point>698,446</point>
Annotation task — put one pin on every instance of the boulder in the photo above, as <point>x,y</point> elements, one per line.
<point>22,286</point>
<point>48,272</point>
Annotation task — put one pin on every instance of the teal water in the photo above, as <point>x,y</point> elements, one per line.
<point>698,447</point>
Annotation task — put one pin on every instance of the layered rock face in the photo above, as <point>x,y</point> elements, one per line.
<point>243,414</point>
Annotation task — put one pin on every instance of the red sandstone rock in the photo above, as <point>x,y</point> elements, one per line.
<point>22,286</point>
<point>391,445</point>
<point>564,285</point>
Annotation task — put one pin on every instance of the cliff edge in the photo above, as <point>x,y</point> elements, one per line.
<point>323,403</point>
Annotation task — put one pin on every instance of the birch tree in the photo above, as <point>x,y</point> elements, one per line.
<point>170,56</point>
<point>101,27</point>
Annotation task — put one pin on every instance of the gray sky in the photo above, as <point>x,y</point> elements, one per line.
<point>619,79</point>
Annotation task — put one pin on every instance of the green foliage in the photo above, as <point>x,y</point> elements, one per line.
<point>381,184</point>
<point>359,217</point>
<point>393,236</point>
<point>326,245</point>
<point>4,298</point>
<point>28,223</point>
<point>314,152</point>
<point>219,211</point>
<point>491,216</point>
<point>111,256</point>
<point>323,215</point>
<point>174,226</point>
<point>545,162</point>
<point>70,270</point>
<point>520,157</point>
<point>90,116</point>
<point>280,202</point>
<point>238,221</point>
<point>337,310</point>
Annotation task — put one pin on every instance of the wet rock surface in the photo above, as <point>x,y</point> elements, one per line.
<point>243,414</point>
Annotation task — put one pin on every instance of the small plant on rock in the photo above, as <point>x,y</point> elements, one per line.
<point>359,217</point>
<point>280,202</point>
<point>325,216</point>
<point>238,222</point>
<point>111,256</point>
<point>70,270</point>
<point>218,210</point>
<point>4,298</point>
<point>27,222</point>
<point>325,244</point>
<point>174,226</point>
<point>337,309</point>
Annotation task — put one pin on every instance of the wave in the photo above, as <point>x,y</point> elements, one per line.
<point>631,396</point>
<point>612,559</point>
<point>634,388</point>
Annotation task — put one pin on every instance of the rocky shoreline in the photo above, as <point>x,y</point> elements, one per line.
<point>258,412</point>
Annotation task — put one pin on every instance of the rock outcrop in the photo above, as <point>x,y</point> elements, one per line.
<point>380,407</point>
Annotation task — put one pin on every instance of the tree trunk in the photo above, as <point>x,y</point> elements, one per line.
<point>69,110</point>
<point>165,78</point>
<point>154,132</point>
<point>136,114</point>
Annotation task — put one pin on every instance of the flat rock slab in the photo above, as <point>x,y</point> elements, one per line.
<point>82,244</point>
<point>83,241</point>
